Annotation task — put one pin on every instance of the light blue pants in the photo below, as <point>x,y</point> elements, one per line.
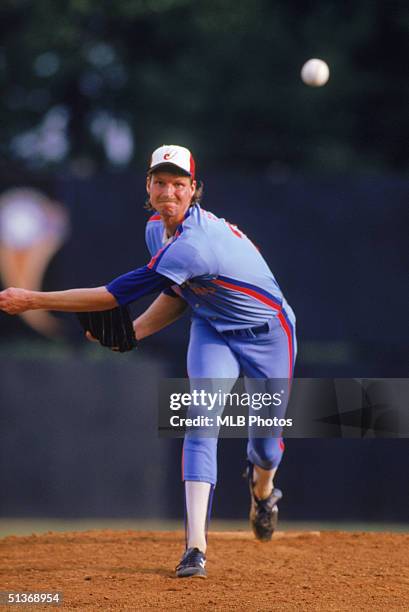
<point>212,355</point>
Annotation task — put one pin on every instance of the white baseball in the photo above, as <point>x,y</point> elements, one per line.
<point>315,73</point>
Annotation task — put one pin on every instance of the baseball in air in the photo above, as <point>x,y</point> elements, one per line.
<point>315,73</point>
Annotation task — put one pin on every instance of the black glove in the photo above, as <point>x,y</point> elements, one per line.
<point>112,328</point>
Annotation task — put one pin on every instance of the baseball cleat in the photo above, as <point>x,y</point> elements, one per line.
<point>263,512</point>
<point>192,564</point>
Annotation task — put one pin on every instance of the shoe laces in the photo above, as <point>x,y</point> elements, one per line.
<point>192,556</point>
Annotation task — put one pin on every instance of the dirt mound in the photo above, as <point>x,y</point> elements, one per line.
<point>130,570</point>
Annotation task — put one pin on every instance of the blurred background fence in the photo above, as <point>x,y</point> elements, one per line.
<point>79,433</point>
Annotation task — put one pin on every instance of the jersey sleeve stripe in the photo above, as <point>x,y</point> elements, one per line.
<point>155,218</point>
<point>154,262</point>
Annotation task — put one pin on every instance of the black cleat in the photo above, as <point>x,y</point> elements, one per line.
<point>263,512</point>
<point>192,564</point>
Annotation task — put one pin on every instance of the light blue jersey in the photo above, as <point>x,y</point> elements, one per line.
<point>217,270</point>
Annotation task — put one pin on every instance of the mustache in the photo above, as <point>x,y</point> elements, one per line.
<point>162,200</point>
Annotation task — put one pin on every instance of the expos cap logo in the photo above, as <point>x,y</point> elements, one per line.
<point>170,155</point>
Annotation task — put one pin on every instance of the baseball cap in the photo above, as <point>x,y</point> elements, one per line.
<point>173,155</point>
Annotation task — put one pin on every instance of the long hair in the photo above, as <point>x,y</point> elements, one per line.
<point>196,198</point>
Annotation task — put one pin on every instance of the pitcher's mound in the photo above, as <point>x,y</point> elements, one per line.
<point>130,570</point>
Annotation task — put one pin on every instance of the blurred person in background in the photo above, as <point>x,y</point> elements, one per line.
<point>32,230</point>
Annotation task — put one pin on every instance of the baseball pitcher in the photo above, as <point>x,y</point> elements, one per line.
<point>241,324</point>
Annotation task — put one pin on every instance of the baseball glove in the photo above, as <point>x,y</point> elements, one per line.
<point>112,328</point>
